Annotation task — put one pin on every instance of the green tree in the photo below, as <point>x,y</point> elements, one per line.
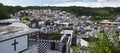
<point>3,13</point>
<point>105,45</point>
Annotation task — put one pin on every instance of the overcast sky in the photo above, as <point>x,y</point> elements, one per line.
<point>86,3</point>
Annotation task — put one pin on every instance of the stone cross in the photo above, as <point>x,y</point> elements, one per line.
<point>14,44</point>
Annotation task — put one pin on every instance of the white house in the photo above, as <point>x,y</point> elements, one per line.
<point>14,38</point>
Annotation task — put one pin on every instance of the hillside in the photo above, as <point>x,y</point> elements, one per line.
<point>102,13</point>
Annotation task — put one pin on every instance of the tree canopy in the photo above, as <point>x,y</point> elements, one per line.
<point>3,13</point>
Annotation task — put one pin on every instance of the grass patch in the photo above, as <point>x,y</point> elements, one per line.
<point>57,32</point>
<point>75,47</point>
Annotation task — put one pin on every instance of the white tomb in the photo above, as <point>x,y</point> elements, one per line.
<point>67,32</point>
<point>84,43</point>
<point>14,38</point>
<point>12,20</point>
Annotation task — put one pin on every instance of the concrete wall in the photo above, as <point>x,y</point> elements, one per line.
<point>7,47</point>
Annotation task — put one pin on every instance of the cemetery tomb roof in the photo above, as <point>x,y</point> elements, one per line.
<point>89,21</point>
<point>110,22</point>
<point>117,29</point>
<point>66,31</point>
<point>84,43</point>
<point>105,21</point>
<point>10,20</point>
<point>83,17</point>
<point>11,31</point>
<point>18,24</point>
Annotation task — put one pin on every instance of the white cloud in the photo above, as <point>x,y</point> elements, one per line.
<point>30,2</point>
<point>98,3</point>
<point>91,4</point>
<point>12,2</point>
<point>102,0</point>
<point>60,0</point>
<point>85,0</point>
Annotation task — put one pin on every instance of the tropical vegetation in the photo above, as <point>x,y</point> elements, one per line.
<point>105,43</point>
